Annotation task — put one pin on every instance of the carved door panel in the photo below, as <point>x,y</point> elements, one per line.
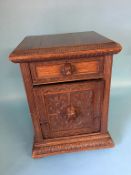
<point>70,109</point>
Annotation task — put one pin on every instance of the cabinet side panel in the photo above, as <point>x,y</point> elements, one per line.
<point>30,97</point>
<point>107,78</point>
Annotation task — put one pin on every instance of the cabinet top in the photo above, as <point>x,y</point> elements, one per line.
<point>48,47</point>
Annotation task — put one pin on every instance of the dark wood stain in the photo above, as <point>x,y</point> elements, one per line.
<point>67,82</point>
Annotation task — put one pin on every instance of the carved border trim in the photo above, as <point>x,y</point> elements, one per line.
<point>48,53</point>
<point>98,142</point>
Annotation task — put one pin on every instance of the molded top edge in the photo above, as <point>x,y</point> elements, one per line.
<point>46,47</point>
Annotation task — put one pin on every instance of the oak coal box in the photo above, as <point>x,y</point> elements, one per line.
<point>67,80</point>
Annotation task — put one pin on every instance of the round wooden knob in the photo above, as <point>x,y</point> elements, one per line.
<point>67,69</point>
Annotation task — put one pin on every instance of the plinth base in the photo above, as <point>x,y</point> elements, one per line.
<point>71,144</point>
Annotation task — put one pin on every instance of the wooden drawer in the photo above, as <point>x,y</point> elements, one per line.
<point>51,72</point>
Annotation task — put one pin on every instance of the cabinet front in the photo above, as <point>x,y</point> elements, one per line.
<point>69,109</point>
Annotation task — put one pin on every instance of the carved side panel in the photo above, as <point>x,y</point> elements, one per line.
<point>71,109</point>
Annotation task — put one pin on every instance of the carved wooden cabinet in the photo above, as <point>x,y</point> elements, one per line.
<point>67,81</point>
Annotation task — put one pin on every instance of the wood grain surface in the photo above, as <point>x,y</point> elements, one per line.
<point>67,81</point>
<point>62,71</point>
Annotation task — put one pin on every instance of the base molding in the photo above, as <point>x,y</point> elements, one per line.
<point>71,144</point>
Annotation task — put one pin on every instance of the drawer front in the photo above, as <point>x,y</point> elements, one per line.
<point>70,109</point>
<point>43,73</point>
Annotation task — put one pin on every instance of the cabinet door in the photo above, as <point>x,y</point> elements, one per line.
<point>70,109</point>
